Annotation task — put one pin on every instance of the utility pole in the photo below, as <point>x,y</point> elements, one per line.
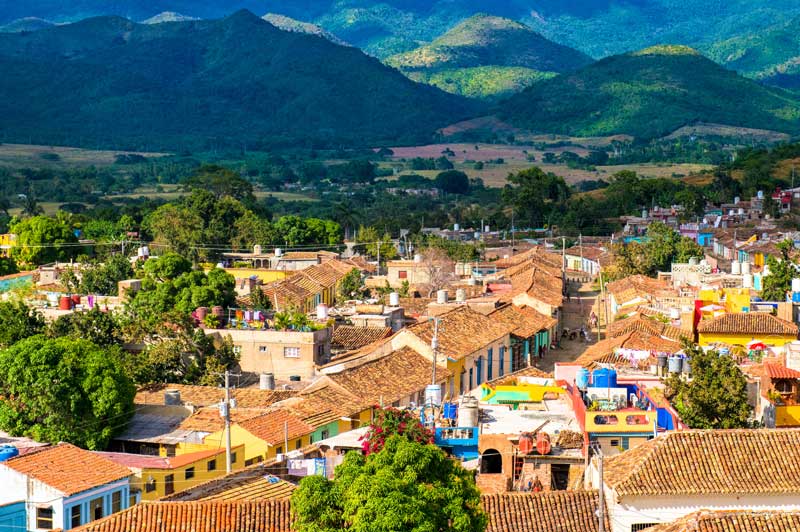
<point>379,257</point>
<point>227,412</point>
<point>601,511</point>
<point>512,230</point>
<point>563,257</point>
<point>434,348</point>
<point>605,307</point>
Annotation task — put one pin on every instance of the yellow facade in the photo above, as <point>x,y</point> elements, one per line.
<point>255,449</point>
<point>152,481</point>
<point>774,340</point>
<point>733,299</point>
<point>267,276</point>
<point>787,416</point>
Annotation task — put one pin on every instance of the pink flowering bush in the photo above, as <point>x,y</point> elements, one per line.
<point>392,421</point>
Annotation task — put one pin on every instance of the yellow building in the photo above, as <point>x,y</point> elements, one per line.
<point>155,476</point>
<point>265,276</point>
<point>7,241</point>
<point>733,299</point>
<point>739,329</point>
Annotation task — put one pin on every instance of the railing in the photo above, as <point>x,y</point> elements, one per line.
<point>621,421</point>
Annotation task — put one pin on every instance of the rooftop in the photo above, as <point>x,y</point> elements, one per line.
<point>67,468</point>
<point>269,427</point>
<point>201,396</point>
<point>748,323</point>
<point>637,286</point>
<point>733,521</point>
<point>562,511</point>
<point>525,321</point>
<point>142,461</point>
<point>348,337</point>
<point>705,462</point>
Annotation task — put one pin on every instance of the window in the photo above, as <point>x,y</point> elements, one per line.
<point>606,420</point>
<point>638,527</point>
<point>150,485</point>
<point>489,369</point>
<point>44,518</point>
<point>96,509</point>
<point>189,473</point>
<point>279,450</point>
<point>116,502</point>
<point>262,349</point>
<point>402,274</point>
<point>502,360</point>
<point>169,484</point>
<point>291,352</point>
<point>233,458</point>
<point>614,443</point>
<point>783,386</point>
<point>75,517</point>
<point>212,465</point>
<point>325,434</point>
<point>170,449</point>
<point>298,444</point>
<point>254,460</point>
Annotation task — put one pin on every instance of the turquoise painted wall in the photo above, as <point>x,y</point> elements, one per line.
<point>12,517</point>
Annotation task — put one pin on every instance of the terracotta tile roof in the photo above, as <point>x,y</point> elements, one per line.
<point>734,521</point>
<point>140,461</point>
<point>208,419</point>
<point>748,323</point>
<point>538,281</point>
<point>525,372</point>
<point>589,252</point>
<point>208,516</point>
<point>603,351</point>
<point>627,289</point>
<point>525,321</point>
<point>260,488</point>
<point>201,396</point>
<point>348,337</point>
<point>651,326</point>
<point>67,468</point>
<point>462,331</point>
<point>269,427</point>
<point>777,371</point>
<point>705,462</point>
<point>390,378</point>
<point>561,511</point>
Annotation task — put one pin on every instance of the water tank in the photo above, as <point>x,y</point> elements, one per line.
<point>417,258</point>
<point>765,271</point>
<point>468,412</point>
<point>456,227</point>
<point>7,452</point>
<point>64,303</point>
<point>693,261</point>
<point>278,252</point>
<point>433,395</point>
<point>736,200</point>
<point>201,313</point>
<point>172,397</point>
<point>525,443</point>
<point>450,411</point>
<point>461,295</point>
<point>746,268</point>
<point>644,213</point>
<point>795,285</point>
<point>394,299</point>
<point>486,229</point>
<point>582,379</point>
<point>747,281</point>
<point>604,378</point>
<point>219,312</point>
<point>266,381</point>
<point>257,249</point>
<point>322,312</point>
<point>675,364</point>
<point>741,211</point>
<point>76,299</point>
<point>736,267</point>
<point>661,360</point>
<point>543,445</point>
<point>441,297</point>
<point>760,194</point>
<point>674,314</point>
<point>143,252</point>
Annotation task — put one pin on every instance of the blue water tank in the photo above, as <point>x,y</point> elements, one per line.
<point>450,411</point>
<point>7,452</point>
<point>604,378</point>
<point>582,379</point>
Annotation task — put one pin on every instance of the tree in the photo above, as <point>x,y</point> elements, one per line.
<point>390,422</point>
<point>781,272</point>
<point>535,196</point>
<point>42,239</point>
<point>104,278</point>
<point>407,486</point>
<point>351,286</point>
<point>439,269</point>
<point>175,228</point>
<point>64,389</point>
<point>374,244</point>
<point>716,397</point>
<point>100,328</point>
<point>249,230</point>
<point>452,182</point>
<point>221,182</point>
<point>17,322</point>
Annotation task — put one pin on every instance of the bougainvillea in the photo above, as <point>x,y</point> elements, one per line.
<point>392,421</point>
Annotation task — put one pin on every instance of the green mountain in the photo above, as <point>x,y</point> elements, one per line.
<point>168,16</point>
<point>649,94</point>
<point>289,24</point>
<point>25,24</point>
<point>771,55</point>
<point>486,57</point>
<point>238,81</point>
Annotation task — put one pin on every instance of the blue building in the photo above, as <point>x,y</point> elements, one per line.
<point>60,487</point>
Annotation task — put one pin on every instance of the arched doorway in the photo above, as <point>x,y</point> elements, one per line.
<point>491,462</point>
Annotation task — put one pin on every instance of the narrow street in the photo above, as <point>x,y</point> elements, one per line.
<point>576,314</point>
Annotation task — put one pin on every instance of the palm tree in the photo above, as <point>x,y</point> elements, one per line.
<point>31,207</point>
<point>346,215</point>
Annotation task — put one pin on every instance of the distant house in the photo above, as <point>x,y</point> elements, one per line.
<point>635,290</point>
<point>741,328</point>
<point>733,520</point>
<point>684,472</point>
<point>64,487</point>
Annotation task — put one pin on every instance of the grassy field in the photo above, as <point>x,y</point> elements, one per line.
<point>50,208</point>
<point>28,155</point>
<point>173,192</point>
<point>515,158</point>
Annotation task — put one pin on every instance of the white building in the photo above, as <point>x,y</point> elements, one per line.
<point>63,487</point>
<point>684,472</point>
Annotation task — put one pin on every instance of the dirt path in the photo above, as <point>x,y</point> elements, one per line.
<point>576,314</point>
